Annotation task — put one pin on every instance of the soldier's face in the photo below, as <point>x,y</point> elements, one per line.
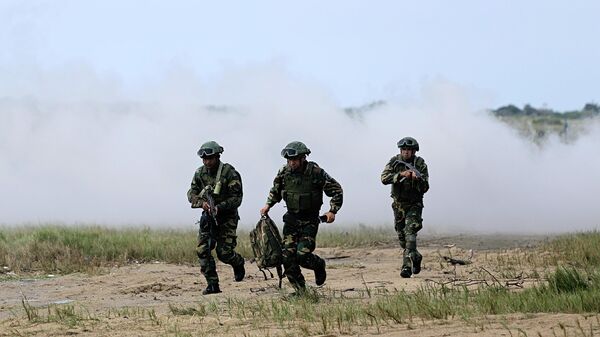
<point>210,162</point>
<point>407,154</point>
<point>295,163</point>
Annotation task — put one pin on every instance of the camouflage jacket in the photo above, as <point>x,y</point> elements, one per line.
<point>319,180</point>
<point>230,196</point>
<point>408,189</point>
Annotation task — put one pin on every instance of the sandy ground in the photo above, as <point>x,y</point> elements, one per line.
<point>134,300</point>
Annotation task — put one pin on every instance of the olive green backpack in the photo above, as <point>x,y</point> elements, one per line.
<point>267,247</point>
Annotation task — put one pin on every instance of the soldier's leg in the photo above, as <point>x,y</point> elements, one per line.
<point>414,223</point>
<point>290,246</point>
<point>207,263</point>
<point>399,226</point>
<point>226,243</point>
<point>306,247</point>
<point>399,223</point>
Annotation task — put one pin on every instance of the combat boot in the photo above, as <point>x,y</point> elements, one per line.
<point>406,270</point>
<point>211,289</point>
<point>412,255</point>
<point>416,259</point>
<point>299,289</point>
<point>239,272</point>
<point>320,273</point>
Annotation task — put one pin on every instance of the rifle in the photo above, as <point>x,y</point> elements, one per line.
<point>212,210</point>
<point>209,217</point>
<point>409,166</point>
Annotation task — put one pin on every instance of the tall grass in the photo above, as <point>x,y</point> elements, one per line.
<point>357,236</point>
<point>580,249</point>
<point>63,249</point>
<point>70,249</point>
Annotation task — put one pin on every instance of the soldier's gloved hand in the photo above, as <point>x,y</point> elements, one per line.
<point>406,174</point>
<point>330,217</point>
<point>196,202</point>
<point>265,210</point>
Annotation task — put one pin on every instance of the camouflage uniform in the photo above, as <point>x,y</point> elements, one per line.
<point>407,206</point>
<point>224,237</point>
<point>302,192</point>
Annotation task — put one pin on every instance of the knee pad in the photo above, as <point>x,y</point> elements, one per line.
<point>203,253</point>
<point>288,257</point>
<point>224,256</point>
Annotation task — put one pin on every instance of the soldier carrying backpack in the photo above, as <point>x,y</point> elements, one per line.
<point>301,185</point>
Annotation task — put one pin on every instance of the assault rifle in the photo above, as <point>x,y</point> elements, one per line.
<point>410,167</point>
<point>209,217</point>
<point>212,210</point>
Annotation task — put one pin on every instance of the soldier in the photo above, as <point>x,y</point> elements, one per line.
<point>409,178</point>
<point>224,184</point>
<point>301,184</point>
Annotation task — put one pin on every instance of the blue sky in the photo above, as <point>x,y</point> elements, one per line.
<point>538,52</point>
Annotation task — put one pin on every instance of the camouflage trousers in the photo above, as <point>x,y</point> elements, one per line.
<point>407,222</point>
<point>224,239</point>
<point>299,234</point>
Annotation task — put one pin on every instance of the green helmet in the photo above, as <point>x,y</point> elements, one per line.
<point>408,143</point>
<point>209,149</point>
<point>294,149</point>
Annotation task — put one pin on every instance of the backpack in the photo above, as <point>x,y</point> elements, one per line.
<point>267,247</point>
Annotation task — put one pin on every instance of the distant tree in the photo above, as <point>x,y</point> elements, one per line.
<point>593,107</point>
<point>529,110</point>
<point>508,110</point>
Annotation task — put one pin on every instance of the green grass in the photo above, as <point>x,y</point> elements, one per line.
<point>355,237</point>
<point>581,250</point>
<point>63,249</point>
<point>67,315</point>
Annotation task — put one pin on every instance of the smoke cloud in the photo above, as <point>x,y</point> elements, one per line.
<point>77,147</point>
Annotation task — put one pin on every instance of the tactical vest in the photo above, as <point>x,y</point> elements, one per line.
<point>208,179</point>
<point>407,190</point>
<point>303,191</point>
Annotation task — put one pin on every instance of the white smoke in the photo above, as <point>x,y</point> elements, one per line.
<point>77,148</point>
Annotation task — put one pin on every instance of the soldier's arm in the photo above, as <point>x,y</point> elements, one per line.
<point>423,183</point>
<point>275,192</point>
<point>234,184</point>
<point>333,189</point>
<point>195,188</point>
<point>389,174</point>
